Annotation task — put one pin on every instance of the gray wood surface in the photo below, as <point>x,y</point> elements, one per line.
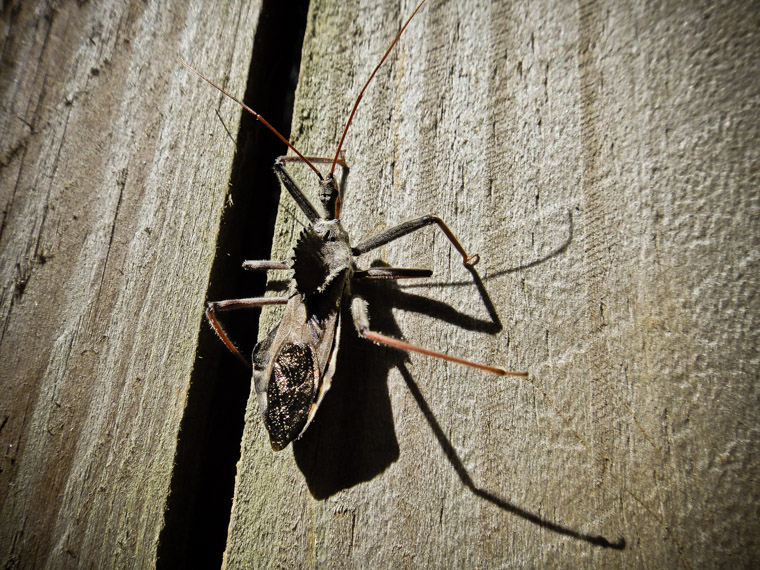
<point>602,160</point>
<point>113,176</point>
<point>604,163</point>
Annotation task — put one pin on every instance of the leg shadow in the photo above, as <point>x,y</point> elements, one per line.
<point>467,481</point>
<point>352,438</point>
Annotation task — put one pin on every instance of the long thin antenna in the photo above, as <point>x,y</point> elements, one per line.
<point>361,93</point>
<point>258,117</point>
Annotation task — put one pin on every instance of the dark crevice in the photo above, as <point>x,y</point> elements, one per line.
<point>200,499</point>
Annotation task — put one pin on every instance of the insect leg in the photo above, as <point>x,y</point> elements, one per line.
<point>392,273</point>
<point>401,230</point>
<point>303,202</point>
<point>361,322</point>
<point>314,160</point>
<point>330,193</point>
<point>265,264</point>
<point>231,305</point>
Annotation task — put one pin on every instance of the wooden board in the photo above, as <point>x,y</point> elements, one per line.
<point>603,162</point>
<point>113,176</point>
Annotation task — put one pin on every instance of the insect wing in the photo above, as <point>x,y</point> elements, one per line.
<point>292,388</point>
<point>294,364</point>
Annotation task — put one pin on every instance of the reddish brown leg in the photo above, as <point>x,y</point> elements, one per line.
<point>361,322</point>
<point>232,305</point>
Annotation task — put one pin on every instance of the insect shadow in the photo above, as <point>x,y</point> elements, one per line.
<point>352,439</point>
<point>487,495</point>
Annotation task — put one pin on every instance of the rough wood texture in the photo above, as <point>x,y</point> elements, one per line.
<point>604,163</point>
<point>113,175</point>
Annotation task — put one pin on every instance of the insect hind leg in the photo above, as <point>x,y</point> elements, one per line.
<point>361,322</point>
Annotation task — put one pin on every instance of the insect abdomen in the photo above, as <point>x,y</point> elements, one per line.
<point>291,391</point>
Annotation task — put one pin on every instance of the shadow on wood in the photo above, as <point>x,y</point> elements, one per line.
<point>352,439</point>
<point>500,502</point>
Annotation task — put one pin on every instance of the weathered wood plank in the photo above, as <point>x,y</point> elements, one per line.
<point>603,162</point>
<point>638,321</point>
<point>112,181</point>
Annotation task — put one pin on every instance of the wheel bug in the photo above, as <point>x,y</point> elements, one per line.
<point>294,364</point>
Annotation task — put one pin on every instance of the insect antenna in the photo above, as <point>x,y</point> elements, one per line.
<point>372,75</point>
<point>259,118</point>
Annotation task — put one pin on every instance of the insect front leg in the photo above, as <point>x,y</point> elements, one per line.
<point>314,160</point>
<point>303,202</point>
<point>329,194</point>
<point>215,307</point>
<point>401,230</point>
<point>361,322</point>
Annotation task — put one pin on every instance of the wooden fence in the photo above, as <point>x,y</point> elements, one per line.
<point>603,160</point>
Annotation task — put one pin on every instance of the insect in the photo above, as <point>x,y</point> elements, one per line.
<point>294,364</point>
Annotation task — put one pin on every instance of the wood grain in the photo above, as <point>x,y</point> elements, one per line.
<point>603,162</point>
<point>601,159</point>
<point>113,178</point>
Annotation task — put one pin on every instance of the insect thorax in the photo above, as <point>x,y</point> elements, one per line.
<point>321,254</point>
